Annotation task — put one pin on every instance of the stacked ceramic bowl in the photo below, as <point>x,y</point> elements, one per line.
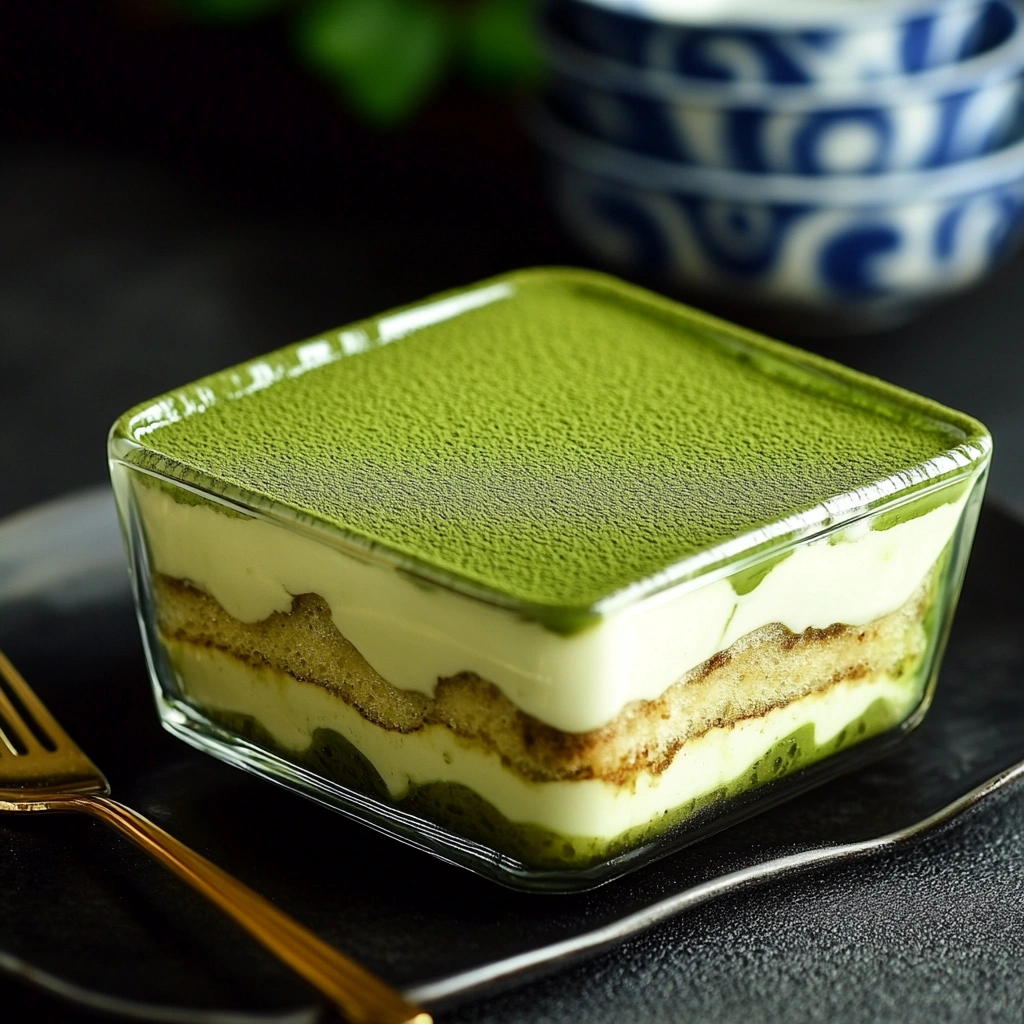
<point>854,157</point>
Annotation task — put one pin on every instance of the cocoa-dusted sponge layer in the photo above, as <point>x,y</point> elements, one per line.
<point>563,436</point>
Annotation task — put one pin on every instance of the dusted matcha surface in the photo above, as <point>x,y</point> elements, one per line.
<point>551,435</point>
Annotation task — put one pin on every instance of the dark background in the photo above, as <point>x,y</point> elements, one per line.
<point>177,198</point>
<point>174,199</point>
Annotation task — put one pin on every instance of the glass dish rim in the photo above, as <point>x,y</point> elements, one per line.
<point>955,465</point>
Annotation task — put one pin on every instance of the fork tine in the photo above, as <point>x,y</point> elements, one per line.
<point>6,745</point>
<point>46,723</point>
<point>14,729</point>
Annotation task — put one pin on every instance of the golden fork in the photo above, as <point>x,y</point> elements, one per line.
<point>42,769</point>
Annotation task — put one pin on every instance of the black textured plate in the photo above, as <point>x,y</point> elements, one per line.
<point>85,913</point>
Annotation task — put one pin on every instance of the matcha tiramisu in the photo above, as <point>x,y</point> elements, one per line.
<point>549,563</point>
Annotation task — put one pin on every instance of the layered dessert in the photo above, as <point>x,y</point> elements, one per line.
<point>550,563</point>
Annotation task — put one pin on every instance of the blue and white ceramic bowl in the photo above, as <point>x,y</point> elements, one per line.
<point>936,118</point>
<point>854,247</point>
<point>781,41</point>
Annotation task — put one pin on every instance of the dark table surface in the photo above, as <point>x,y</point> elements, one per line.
<point>173,201</point>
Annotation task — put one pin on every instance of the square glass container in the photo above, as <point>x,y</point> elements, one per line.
<point>547,576</point>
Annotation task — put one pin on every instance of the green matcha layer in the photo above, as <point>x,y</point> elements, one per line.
<point>464,812</point>
<point>552,436</point>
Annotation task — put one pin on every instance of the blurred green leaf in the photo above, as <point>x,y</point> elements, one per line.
<point>227,12</point>
<point>384,56</point>
<point>501,41</point>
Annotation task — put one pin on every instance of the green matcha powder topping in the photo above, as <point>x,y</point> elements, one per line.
<point>562,436</point>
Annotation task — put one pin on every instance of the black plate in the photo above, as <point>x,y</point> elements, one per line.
<point>84,912</point>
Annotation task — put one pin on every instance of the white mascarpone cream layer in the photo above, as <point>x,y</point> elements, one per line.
<point>291,711</point>
<point>413,634</point>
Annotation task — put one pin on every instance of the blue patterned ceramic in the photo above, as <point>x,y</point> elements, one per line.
<point>858,246</point>
<point>783,41</point>
<point>938,117</point>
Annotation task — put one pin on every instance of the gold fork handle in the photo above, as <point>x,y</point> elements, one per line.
<point>360,996</point>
